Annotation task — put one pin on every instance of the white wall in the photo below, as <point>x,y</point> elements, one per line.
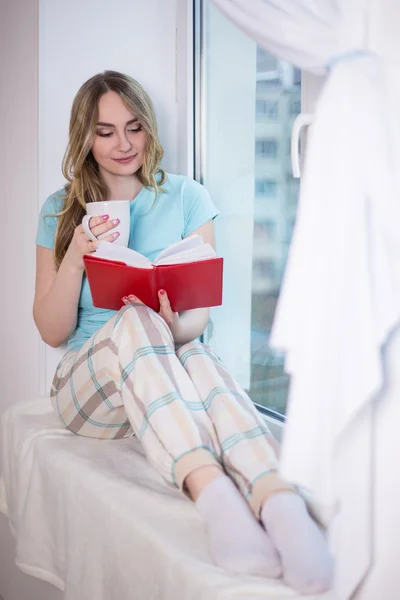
<point>48,48</point>
<point>134,37</point>
<point>19,366</point>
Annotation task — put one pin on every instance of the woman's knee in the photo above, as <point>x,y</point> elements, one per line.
<point>193,345</point>
<point>138,320</point>
<point>195,348</point>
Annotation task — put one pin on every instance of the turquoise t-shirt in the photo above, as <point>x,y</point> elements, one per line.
<point>183,208</point>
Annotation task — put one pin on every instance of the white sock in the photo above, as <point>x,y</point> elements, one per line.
<point>306,560</point>
<point>237,541</point>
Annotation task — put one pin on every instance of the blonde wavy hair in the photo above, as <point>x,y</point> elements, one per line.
<point>79,166</point>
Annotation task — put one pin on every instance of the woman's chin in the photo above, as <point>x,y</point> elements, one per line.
<point>122,169</point>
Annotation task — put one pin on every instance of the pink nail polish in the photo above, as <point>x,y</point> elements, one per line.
<point>162,292</point>
<point>115,221</point>
<point>105,217</point>
<point>116,234</point>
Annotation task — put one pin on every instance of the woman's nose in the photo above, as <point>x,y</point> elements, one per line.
<point>124,144</point>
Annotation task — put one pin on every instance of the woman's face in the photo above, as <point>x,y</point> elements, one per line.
<point>120,142</point>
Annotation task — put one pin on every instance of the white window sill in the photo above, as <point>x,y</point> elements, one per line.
<point>94,519</point>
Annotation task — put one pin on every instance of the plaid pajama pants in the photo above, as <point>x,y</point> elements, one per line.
<point>183,405</point>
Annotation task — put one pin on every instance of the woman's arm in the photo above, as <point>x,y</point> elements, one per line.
<point>55,307</point>
<point>190,323</point>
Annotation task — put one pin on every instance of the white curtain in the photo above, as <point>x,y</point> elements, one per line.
<point>341,293</point>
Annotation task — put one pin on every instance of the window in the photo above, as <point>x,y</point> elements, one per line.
<point>265,61</point>
<point>289,227</point>
<point>264,268</point>
<point>246,101</point>
<point>264,230</point>
<point>267,108</point>
<point>267,147</point>
<point>260,107</point>
<point>266,187</point>
<point>292,195</point>
<point>295,107</point>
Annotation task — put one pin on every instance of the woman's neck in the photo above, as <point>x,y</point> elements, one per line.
<point>121,187</point>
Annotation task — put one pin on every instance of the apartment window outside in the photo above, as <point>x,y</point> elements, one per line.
<point>267,108</point>
<point>267,148</point>
<point>264,231</point>
<point>248,108</point>
<point>265,268</point>
<point>295,107</point>
<point>266,187</point>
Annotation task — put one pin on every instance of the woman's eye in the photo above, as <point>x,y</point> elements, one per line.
<point>132,130</point>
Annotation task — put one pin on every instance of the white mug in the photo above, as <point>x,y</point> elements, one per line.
<point>116,209</point>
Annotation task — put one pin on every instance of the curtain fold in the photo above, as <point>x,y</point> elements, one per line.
<point>340,298</point>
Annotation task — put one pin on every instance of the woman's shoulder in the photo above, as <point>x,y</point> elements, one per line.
<point>54,203</point>
<point>47,224</point>
<point>184,185</point>
<point>195,202</point>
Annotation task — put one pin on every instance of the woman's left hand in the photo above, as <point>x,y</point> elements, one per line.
<point>170,317</point>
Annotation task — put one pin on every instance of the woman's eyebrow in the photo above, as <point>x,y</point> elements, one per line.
<point>100,123</point>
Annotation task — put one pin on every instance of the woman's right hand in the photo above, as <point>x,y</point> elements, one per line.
<point>81,244</point>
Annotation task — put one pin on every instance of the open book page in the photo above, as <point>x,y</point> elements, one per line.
<point>111,251</point>
<point>188,243</point>
<point>193,254</point>
<point>190,249</point>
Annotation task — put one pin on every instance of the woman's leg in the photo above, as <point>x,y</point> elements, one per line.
<point>248,450</point>
<point>248,453</point>
<point>128,379</point>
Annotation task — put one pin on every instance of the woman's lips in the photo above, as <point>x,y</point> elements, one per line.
<point>126,160</point>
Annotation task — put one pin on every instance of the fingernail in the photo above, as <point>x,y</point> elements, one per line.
<point>105,217</point>
<point>115,221</point>
<point>116,234</point>
<point>124,299</point>
<point>162,291</point>
<point>131,297</point>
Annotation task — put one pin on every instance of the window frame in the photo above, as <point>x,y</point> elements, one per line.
<point>310,89</point>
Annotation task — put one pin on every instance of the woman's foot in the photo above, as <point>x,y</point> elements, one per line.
<point>237,541</point>
<point>306,560</point>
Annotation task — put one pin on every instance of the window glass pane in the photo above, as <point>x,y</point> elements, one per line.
<point>251,99</point>
<point>276,193</point>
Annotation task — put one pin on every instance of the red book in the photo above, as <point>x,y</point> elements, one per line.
<point>189,284</point>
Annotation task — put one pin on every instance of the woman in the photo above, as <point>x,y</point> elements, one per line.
<point>139,372</point>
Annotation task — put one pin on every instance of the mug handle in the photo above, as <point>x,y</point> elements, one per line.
<point>86,228</point>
